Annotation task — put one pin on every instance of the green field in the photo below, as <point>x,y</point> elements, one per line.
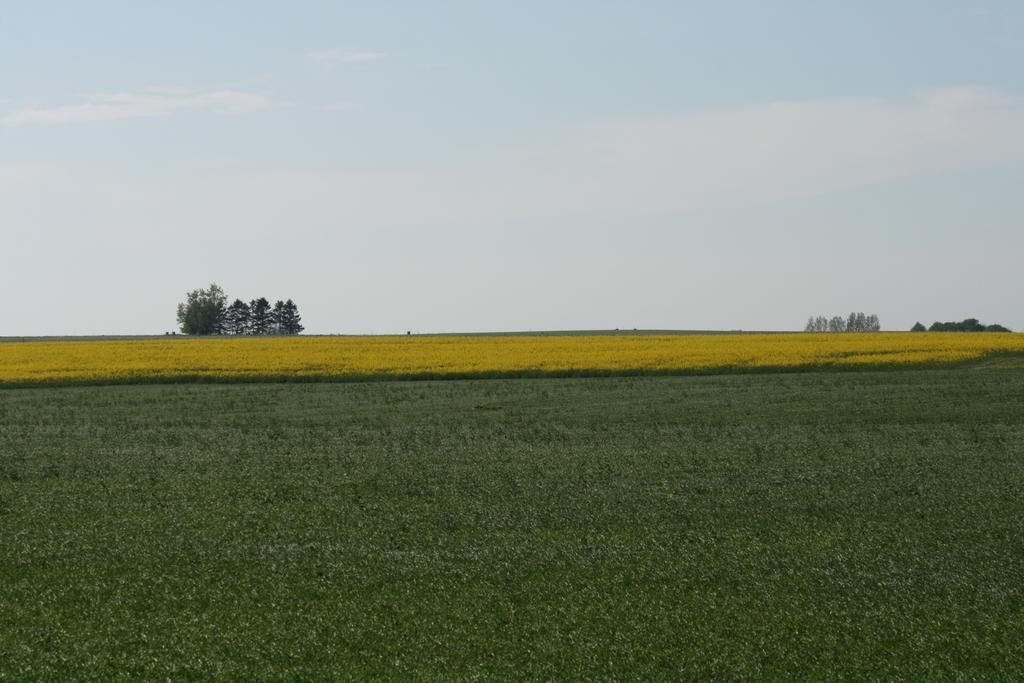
<point>857,525</point>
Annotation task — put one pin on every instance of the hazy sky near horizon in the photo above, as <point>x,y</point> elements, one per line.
<point>460,166</point>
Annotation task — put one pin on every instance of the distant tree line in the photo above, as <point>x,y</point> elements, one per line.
<point>969,325</point>
<point>855,322</point>
<point>206,311</point>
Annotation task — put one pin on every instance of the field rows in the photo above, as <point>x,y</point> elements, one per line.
<point>806,526</point>
<point>145,360</point>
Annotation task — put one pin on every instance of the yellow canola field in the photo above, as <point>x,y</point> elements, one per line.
<point>479,356</point>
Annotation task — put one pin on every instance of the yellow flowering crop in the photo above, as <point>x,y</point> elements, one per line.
<point>479,356</point>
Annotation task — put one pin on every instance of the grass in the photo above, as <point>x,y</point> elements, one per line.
<point>818,525</point>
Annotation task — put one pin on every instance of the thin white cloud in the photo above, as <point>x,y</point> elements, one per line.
<point>340,106</point>
<point>644,167</point>
<point>631,168</point>
<point>145,104</point>
<point>19,181</point>
<point>337,55</point>
<point>781,150</point>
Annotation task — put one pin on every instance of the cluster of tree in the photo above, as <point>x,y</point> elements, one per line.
<point>969,325</point>
<point>856,322</point>
<point>206,311</point>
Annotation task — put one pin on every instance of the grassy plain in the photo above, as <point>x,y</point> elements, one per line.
<point>235,359</point>
<point>857,525</point>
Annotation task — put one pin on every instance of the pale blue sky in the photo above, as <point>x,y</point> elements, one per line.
<point>456,166</point>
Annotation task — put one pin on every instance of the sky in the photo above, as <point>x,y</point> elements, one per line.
<point>498,166</point>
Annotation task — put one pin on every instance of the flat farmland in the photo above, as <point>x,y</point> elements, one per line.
<point>813,525</point>
<point>308,359</point>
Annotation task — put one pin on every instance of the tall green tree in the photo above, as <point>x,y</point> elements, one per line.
<point>203,311</point>
<point>291,320</point>
<point>276,315</point>
<point>259,316</point>
<point>287,318</point>
<point>237,318</point>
